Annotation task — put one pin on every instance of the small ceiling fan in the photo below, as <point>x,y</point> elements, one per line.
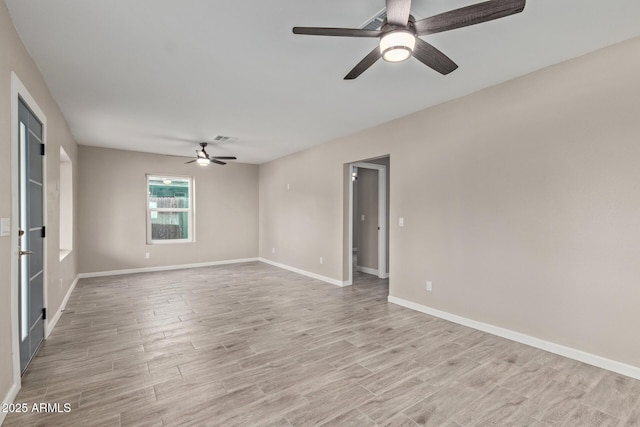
<point>400,32</point>
<point>203,158</point>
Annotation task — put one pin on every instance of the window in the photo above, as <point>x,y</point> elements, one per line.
<point>66,204</point>
<point>169,209</point>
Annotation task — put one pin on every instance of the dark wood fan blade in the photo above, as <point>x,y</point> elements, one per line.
<point>469,15</point>
<point>432,57</point>
<point>339,32</point>
<point>224,157</point>
<point>362,66</point>
<point>218,162</point>
<point>190,161</point>
<point>398,12</point>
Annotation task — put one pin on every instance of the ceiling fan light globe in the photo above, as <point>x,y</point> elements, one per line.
<point>396,54</point>
<point>397,46</point>
<point>203,161</point>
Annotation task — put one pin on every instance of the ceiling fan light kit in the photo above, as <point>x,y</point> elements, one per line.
<point>204,159</point>
<point>400,33</point>
<point>397,46</point>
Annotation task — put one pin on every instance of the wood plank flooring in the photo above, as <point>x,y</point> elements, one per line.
<point>254,345</point>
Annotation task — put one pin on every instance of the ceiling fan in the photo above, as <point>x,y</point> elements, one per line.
<point>203,158</point>
<point>400,32</point>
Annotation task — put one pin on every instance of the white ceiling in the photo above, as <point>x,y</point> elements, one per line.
<point>161,75</point>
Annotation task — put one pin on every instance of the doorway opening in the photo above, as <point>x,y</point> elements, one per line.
<point>369,221</point>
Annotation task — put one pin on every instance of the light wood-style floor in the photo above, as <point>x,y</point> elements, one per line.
<point>253,345</point>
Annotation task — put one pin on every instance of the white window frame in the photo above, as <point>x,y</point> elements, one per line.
<point>190,210</point>
<point>65,194</point>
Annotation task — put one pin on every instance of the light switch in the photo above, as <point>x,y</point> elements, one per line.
<point>5,227</point>
<point>362,217</point>
<point>401,222</point>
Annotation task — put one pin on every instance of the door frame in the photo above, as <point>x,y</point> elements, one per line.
<point>382,218</point>
<point>18,89</point>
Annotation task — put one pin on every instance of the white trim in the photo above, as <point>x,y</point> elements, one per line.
<point>352,170</point>
<point>162,268</point>
<point>381,272</point>
<point>9,398</point>
<point>382,222</point>
<point>571,353</point>
<point>191,237</point>
<point>305,273</point>
<point>367,270</point>
<point>51,323</point>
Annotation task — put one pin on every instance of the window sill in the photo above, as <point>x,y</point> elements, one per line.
<point>169,241</point>
<point>64,253</point>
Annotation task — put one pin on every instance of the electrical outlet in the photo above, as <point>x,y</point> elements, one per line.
<point>401,222</point>
<point>321,260</point>
<point>147,255</point>
<point>429,286</point>
<point>273,250</point>
<point>362,217</point>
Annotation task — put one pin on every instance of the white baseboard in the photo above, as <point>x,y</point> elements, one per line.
<point>305,273</point>
<point>367,270</point>
<point>9,398</point>
<point>571,353</point>
<point>163,268</point>
<point>50,324</point>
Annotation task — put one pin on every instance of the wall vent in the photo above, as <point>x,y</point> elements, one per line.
<point>375,23</point>
<point>222,138</point>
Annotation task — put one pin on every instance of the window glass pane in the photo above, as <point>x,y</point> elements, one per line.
<point>169,225</point>
<point>167,193</point>
<point>169,209</point>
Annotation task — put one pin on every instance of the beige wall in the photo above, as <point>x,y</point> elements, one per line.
<point>112,221</point>
<point>521,204</point>
<point>300,218</point>
<point>59,275</point>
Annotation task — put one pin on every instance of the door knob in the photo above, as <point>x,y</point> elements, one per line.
<point>25,253</point>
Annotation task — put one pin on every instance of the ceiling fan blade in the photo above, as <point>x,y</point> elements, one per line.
<point>362,66</point>
<point>218,162</point>
<point>339,32</point>
<point>469,15</point>
<point>398,12</point>
<point>432,57</point>
<point>190,161</point>
<point>224,157</point>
